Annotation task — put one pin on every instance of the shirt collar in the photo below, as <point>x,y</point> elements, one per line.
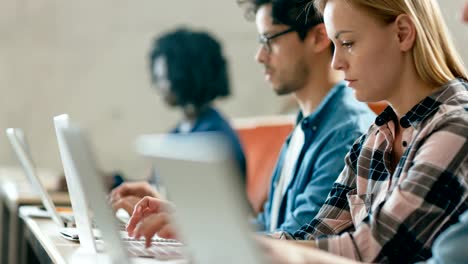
<point>327,100</point>
<point>426,107</point>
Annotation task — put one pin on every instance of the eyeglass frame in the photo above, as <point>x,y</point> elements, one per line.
<point>265,41</point>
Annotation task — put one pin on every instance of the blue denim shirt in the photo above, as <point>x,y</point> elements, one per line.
<point>329,134</point>
<point>451,246</point>
<point>210,120</point>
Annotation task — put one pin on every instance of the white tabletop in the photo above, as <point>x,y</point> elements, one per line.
<point>60,250</point>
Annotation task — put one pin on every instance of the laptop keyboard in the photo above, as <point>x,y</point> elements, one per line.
<point>153,240</point>
<point>157,250</point>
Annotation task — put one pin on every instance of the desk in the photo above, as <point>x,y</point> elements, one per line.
<point>43,244</point>
<point>15,191</point>
<point>41,241</point>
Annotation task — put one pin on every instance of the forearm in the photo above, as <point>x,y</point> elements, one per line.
<point>298,252</point>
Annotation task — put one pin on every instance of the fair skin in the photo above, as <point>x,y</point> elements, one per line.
<point>300,67</point>
<point>377,64</point>
<point>152,216</point>
<point>295,66</point>
<point>363,43</point>
<point>404,89</point>
<point>282,252</point>
<point>128,194</point>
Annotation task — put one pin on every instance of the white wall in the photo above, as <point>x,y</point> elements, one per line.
<point>452,11</point>
<point>88,58</point>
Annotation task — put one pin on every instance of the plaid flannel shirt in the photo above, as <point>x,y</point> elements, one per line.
<point>376,213</point>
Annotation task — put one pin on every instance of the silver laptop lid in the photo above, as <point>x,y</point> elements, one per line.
<point>78,199</point>
<point>204,183</point>
<point>83,163</point>
<point>19,145</point>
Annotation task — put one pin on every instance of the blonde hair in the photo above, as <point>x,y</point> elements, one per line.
<point>434,54</point>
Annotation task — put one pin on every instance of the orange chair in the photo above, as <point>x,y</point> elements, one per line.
<point>262,138</point>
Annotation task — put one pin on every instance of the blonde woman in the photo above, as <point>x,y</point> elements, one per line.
<point>405,181</point>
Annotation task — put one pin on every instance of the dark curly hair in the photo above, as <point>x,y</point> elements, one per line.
<point>196,67</point>
<point>298,14</point>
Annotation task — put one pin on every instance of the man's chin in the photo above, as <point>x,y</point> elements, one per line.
<point>281,91</point>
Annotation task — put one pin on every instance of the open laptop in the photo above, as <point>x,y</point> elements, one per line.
<point>88,184</point>
<point>79,202</point>
<point>20,148</point>
<point>204,183</point>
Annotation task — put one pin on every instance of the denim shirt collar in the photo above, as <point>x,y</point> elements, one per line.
<point>205,117</point>
<point>313,119</point>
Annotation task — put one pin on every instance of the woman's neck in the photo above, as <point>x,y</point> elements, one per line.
<point>409,91</point>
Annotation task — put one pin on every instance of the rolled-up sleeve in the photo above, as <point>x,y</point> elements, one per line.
<point>425,201</point>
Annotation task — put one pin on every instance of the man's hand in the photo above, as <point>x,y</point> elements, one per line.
<point>128,194</point>
<point>151,216</point>
<point>127,203</point>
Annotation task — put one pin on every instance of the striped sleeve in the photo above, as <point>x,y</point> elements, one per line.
<point>427,199</point>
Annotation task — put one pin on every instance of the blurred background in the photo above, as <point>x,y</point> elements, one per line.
<point>88,58</point>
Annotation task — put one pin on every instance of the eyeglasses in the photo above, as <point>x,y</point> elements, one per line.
<point>161,83</point>
<point>265,41</point>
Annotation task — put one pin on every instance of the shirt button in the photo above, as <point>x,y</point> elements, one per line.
<point>379,121</point>
<point>314,128</point>
<point>404,143</point>
<point>404,122</point>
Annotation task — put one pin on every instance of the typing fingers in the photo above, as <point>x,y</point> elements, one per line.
<point>126,203</point>
<point>142,209</point>
<point>152,225</point>
<point>118,192</point>
<point>168,231</point>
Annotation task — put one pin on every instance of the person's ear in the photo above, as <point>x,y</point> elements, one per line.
<point>406,31</point>
<point>317,38</point>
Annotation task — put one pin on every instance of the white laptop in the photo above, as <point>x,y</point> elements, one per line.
<point>20,148</point>
<point>211,205</point>
<point>88,185</point>
<point>79,201</point>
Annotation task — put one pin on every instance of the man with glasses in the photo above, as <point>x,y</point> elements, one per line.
<point>296,54</point>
